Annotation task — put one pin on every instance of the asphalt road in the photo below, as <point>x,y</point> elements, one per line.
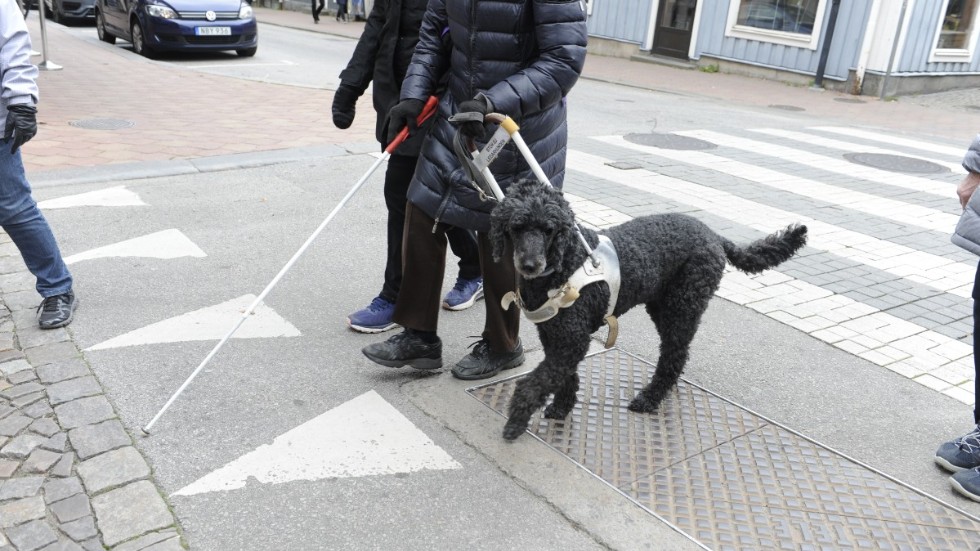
<point>302,365</point>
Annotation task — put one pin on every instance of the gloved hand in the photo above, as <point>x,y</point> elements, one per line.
<point>21,125</point>
<point>474,129</point>
<point>344,100</point>
<point>404,113</point>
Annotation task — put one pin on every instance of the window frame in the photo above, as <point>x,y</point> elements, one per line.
<point>734,30</point>
<point>954,55</point>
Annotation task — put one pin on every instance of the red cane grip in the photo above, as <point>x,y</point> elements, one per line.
<point>427,111</point>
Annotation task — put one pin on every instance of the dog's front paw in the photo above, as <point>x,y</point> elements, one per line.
<point>513,430</point>
<point>642,404</point>
<point>555,412</point>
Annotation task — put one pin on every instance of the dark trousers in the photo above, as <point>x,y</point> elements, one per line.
<point>342,11</point>
<point>976,345</point>
<point>462,242</point>
<point>317,8</point>
<point>425,262</point>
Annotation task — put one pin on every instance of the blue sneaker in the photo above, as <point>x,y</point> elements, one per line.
<point>960,454</point>
<point>967,483</point>
<point>464,294</point>
<point>374,318</point>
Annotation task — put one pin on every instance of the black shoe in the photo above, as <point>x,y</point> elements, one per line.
<point>406,348</point>
<point>56,311</point>
<point>481,363</point>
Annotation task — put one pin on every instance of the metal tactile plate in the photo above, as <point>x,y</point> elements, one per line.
<point>728,478</point>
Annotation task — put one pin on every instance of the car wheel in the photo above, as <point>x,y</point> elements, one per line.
<point>139,41</point>
<point>247,52</point>
<point>104,35</point>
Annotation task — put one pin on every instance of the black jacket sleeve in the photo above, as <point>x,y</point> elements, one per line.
<point>360,68</point>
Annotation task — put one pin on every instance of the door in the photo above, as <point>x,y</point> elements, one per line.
<point>675,22</point>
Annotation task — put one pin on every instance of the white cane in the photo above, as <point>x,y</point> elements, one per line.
<point>427,111</point>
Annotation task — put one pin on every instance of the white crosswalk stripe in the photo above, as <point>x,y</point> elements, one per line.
<point>927,357</point>
<point>829,143</point>
<point>913,349</point>
<point>884,207</point>
<point>928,269</point>
<point>823,162</point>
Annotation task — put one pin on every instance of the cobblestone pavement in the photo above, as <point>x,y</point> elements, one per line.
<point>70,477</point>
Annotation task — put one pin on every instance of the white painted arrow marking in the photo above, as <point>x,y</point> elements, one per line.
<point>211,323</point>
<point>363,437</point>
<point>117,196</point>
<point>164,244</point>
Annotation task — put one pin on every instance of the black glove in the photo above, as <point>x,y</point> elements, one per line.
<point>404,113</point>
<point>21,124</point>
<point>474,129</point>
<point>344,100</point>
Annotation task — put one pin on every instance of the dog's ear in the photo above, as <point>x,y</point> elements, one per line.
<point>561,218</point>
<point>499,223</point>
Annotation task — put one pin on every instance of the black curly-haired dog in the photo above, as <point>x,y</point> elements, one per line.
<point>672,263</point>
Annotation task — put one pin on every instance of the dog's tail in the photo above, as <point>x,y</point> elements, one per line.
<point>768,252</point>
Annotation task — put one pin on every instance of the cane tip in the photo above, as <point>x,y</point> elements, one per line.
<point>145,431</point>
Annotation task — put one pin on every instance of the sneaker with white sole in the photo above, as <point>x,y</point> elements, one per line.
<point>967,483</point>
<point>374,318</point>
<point>464,294</point>
<point>960,454</point>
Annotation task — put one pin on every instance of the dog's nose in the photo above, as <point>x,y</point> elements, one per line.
<point>530,267</point>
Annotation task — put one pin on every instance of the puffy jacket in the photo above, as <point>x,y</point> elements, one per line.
<point>967,234</point>
<point>18,76</point>
<point>524,56</point>
<point>382,55</point>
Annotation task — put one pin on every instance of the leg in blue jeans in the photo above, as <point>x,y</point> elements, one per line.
<point>27,228</point>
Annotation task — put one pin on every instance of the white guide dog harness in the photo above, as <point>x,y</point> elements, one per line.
<point>607,269</point>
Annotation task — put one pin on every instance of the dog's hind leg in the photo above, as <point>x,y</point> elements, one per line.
<point>565,398</point>
<point>677,318</point>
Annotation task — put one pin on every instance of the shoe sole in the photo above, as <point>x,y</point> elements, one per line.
<point>948,466</point>
<point>517,362</point>
<point>464,305</point>
<point>958,488</point>
<point>368,329</point>
<point>71,316</point>
<point>424,364</point>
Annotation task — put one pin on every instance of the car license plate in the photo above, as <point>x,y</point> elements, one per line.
<point>212,31</point>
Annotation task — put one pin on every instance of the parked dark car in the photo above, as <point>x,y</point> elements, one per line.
<point>63,11</point>
<point>154,26</point>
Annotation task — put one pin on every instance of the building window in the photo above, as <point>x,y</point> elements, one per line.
<point>956,31</point>
<point>958,23</point>
<point>788,16</point>
<point>789,22</point>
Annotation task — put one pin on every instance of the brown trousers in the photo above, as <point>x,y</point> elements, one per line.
<point>424,265</point>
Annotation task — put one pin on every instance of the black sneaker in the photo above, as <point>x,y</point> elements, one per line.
<point>406,348</point>
<point>56,311</point>
<point>481,363</point>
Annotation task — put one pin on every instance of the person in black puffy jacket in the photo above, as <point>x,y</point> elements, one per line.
<point>520,58</point>
<point>383,54</point>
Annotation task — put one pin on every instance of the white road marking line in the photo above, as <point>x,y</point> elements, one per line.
<point>954,152</point>
<point>366,436</point>
<point>828,164</point>
<point>210,323</point>
<point>929,358</point>
<point>883,207</point>
<point>164,244</point>
<point>810,139</point>
<point>923,268</point>
<point>117,196</point>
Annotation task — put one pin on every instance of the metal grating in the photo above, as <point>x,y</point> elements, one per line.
<point>729,478</point>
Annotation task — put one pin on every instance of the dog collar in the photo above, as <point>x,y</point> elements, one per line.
<point>607,269</point>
